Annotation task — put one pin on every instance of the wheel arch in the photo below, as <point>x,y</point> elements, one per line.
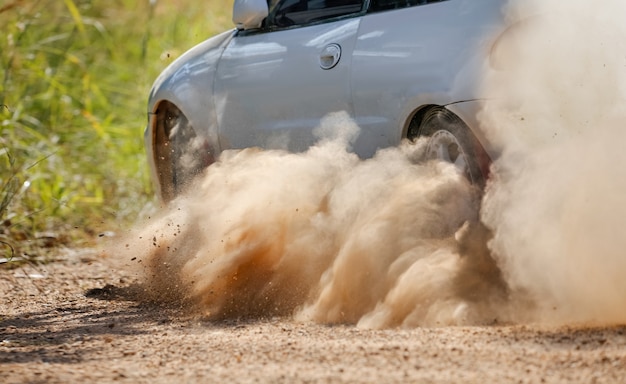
<point>466,113</point>
<point>410,129</point>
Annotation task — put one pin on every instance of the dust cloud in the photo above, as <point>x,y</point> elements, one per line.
<point>557,201</point>
<point>398,241</point>
<point>325,236</point>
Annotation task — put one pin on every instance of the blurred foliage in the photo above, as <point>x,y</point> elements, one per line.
<point>74,79</point>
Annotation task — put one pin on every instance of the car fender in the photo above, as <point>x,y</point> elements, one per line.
<point>181,83</point>
<point>188,84</point>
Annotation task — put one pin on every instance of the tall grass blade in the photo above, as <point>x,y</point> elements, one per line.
<point>78,19</point>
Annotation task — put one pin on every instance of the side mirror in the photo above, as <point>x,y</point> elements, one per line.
<point>249,14</point>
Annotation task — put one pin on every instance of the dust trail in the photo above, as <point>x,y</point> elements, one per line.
<point>557,203</point>
<point>397,241</point>
<point>327,237</point>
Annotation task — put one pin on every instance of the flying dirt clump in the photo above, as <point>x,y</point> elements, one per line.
<point>325,236</point>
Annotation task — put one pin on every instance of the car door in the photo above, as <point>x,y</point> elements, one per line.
<point>273,85</point>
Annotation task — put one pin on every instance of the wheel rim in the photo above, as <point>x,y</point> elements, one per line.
<point>445,147</point>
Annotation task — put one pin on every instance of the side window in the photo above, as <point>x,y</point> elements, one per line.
<point>383,5</point>
<point>301,12</point>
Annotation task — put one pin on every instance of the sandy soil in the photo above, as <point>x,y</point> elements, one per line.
<point>76,320</point>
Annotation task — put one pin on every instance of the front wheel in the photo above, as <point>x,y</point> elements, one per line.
<point>452,141</point>
<point>181,154</point>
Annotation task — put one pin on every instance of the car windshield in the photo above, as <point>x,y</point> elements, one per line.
<point>315,4</point>
<point>302,12</point>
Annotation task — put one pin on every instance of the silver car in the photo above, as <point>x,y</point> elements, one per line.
<point>400,68</point>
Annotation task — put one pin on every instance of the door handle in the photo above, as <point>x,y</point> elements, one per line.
<point>330,56</point>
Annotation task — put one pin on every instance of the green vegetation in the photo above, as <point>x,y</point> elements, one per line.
<point>74,79</point>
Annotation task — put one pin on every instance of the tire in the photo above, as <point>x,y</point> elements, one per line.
<point>187,153</point>
<point>451,140</point>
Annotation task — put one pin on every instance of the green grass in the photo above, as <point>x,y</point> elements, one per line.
<point>74,79</point>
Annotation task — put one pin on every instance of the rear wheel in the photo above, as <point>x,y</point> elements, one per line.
<point>452,141</point>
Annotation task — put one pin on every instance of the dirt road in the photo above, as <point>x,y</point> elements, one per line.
<point>75,320</point>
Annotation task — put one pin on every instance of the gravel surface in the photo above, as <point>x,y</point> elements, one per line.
<point>77,320</point>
